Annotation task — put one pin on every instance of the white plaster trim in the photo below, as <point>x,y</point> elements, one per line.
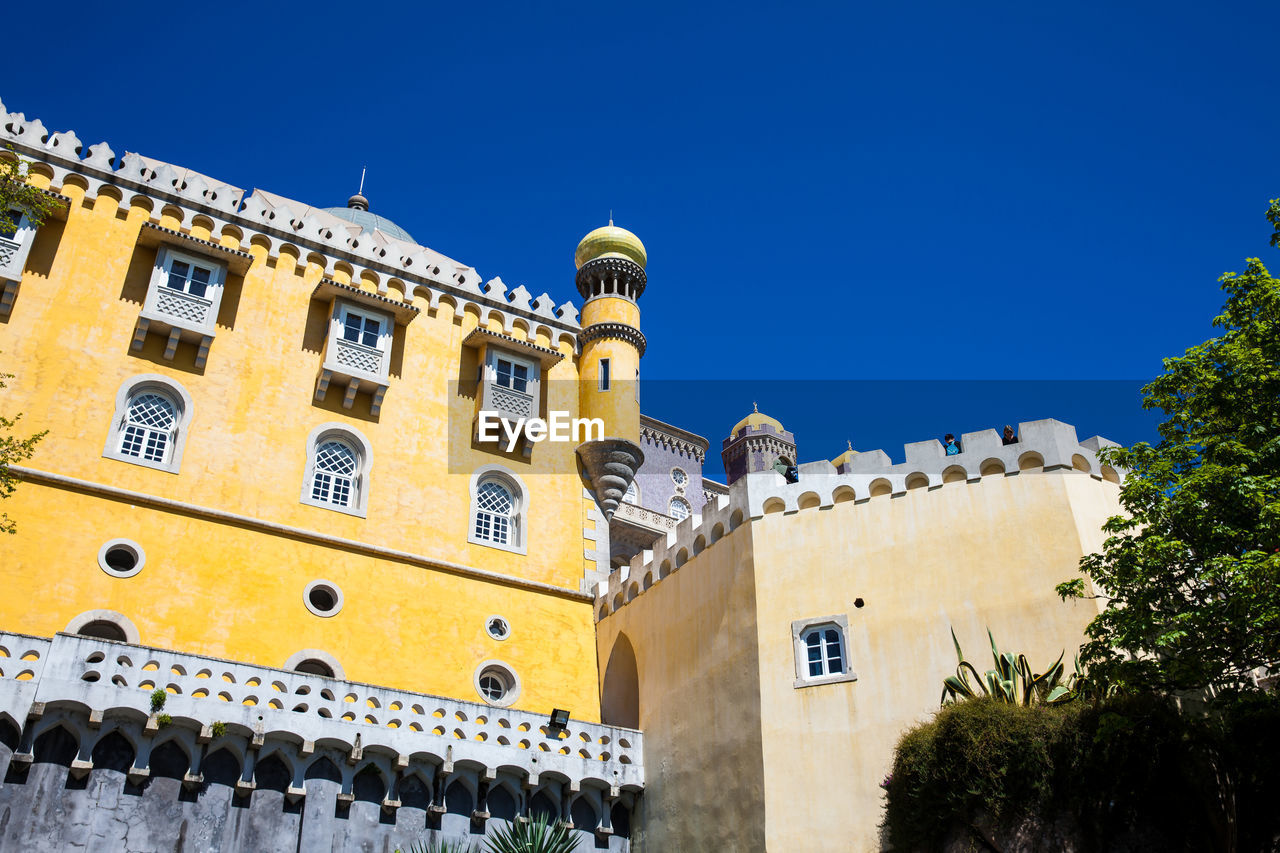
<point>360,487</point>
<point>316,654</point>
<point>332,588</point>
<point>170,388</point>
<point>124,623</point>
<point>519,517</point>
<point>799,627</point>
<point>129,545</point>
<point>142,499</point>
<point>513,691</point>
<point>505,621</point>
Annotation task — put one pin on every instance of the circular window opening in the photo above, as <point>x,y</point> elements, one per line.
<point>121,558</point>
<point>101,629</point>
<point>497,683</point>
<point>311,666</point>
<point>679,477</point>
<point>497,628</point>
<point>322,598</point>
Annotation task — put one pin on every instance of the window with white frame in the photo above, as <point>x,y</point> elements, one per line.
<point>149,425</point>
<point>497,507</point>
<point>821,650</point>
<point>337,471</point>
<point>678,509</point>
<point>185,290</point>
<point>633,494</point>
<point>510,385</point>
<point>362,342</point>
<point>497,683</point>
<point>15,244</point>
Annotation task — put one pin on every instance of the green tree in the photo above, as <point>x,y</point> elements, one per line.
<point>1191,575</point>
<point>17,195</point>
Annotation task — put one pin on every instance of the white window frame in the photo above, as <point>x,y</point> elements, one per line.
<point>342,309</point>
<point>489,379</point>
<point>503,671</point>
<point>632,495</point>
<point>800,630</point>
<point>150,383</point>
<point>671,503</point>
<point>166,257</point>
<point>359,503</point>
<point>517,541</point>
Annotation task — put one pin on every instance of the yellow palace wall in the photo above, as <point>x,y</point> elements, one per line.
<point>808,761</point>
<point>236,592</point>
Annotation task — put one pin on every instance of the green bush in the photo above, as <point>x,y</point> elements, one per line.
<point>157,699</point>
<point>1125,768</point>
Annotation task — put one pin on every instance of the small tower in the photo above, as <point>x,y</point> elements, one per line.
<point>610,278</point>
<point>757,443</point>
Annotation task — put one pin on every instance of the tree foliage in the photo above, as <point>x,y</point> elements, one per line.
<point>16,193</point>
<point>1191,575</point>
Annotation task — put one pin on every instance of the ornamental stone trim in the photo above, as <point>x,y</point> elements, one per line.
<point>625,270</point>
<point>618,331</point>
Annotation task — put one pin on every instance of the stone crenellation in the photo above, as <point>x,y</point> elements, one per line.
<point>1043,446</point>
<point>281,224</point>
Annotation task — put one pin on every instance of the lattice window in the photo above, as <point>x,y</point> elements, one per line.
<point>824,651</point>
<point>494,509</point>
<point>632,496</point>
<point>334,477</point>
<point>678,509</point>
<point>150,427</point>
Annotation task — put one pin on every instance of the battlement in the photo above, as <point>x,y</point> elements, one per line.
<point>269,710</point>
<point>398,269</point>
<point>1043,446</point>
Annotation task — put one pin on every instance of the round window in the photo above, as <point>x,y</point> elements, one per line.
<point>496,683</point>
<point>322,598</point>
<point>679,477</point>
<point>121,558</point>
<point>497,628</point>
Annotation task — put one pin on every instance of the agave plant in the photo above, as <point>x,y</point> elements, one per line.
<point>445,845</point>
<point>1012,681</point>
<point>539,835</point>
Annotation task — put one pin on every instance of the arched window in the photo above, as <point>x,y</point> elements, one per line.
<point>150,421</point>
<point>821,647</point>
<point>150,425</point>
<point>337,473</point>
<point>333,479</point>
<point>824,652</point>
<point>633,494</point>
<point>497,509</point>
<point>678,509</point>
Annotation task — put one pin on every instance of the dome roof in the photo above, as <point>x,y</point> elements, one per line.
<point>756,419</point>
<point>846,457</point>
<point>357,212</point>
<point>610,242</point>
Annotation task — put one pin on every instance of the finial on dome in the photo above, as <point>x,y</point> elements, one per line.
<point>850,444</point>
<point>755,407</point>
<point>358,201</point>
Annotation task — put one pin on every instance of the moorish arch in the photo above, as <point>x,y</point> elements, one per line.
<point>620,696</point>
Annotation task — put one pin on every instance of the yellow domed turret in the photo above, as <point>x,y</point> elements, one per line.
<point>610,242</point>
<point>756,419</point>
<point>845,458</point>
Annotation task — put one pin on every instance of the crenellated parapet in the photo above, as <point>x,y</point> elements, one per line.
<point>223,213</point>
<point>1044,446</point>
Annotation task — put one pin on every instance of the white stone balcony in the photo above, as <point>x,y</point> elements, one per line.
<point>116,680</point>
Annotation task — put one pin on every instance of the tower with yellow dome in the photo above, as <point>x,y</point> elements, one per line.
<point>756,443</point>
<point>611,277</point>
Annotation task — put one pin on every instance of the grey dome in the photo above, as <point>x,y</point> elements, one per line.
<point>370,222</point>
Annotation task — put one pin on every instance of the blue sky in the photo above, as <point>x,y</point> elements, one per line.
<point>851,191</point>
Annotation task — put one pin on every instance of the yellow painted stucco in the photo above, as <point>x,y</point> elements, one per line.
<point>807,761</point>
<point>223,590</point>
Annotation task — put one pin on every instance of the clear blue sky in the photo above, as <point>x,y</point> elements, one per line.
<point>827,191</point>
